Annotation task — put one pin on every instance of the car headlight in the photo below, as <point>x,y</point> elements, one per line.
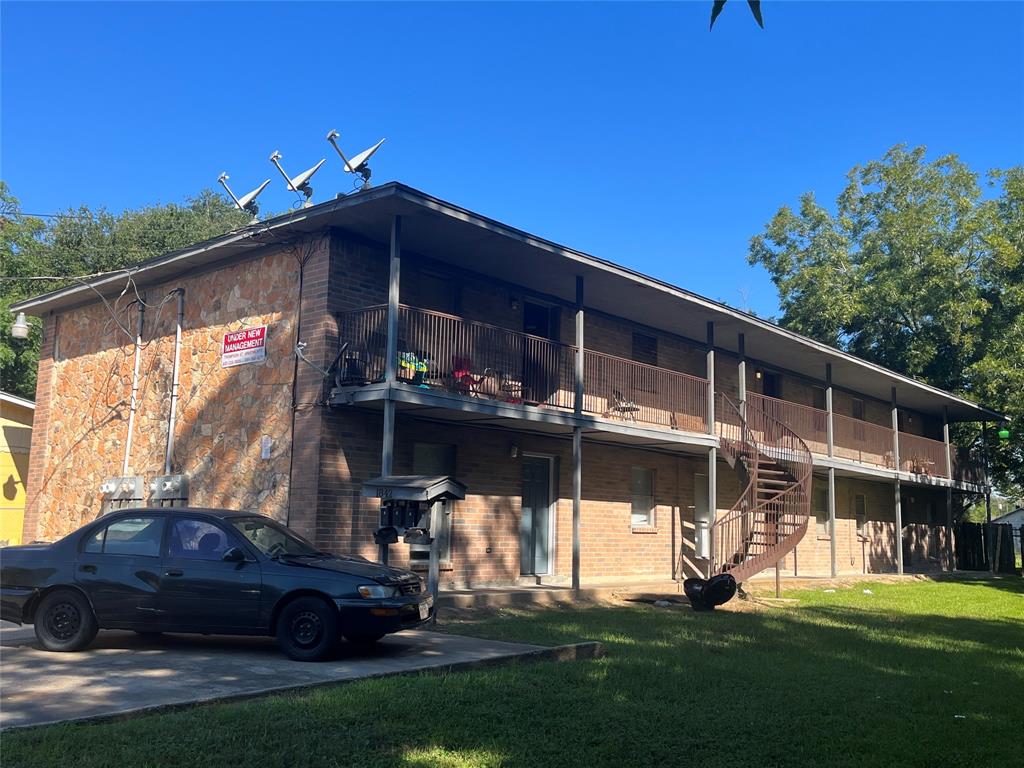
<point>376,591</point>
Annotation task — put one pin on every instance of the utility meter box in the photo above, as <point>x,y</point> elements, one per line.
<point>121,493</point>
<point>169,491</point>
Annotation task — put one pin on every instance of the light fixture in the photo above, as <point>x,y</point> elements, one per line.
<point>757,375</point>
<point>19,329</point>
<point>1003,434</point>
<point>514,453</point>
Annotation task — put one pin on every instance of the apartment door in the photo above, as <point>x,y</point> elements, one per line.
<point>535,523</point>
<point>701,517</point>
<point>540,360</point>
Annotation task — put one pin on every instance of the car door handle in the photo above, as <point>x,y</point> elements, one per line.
<point>87,568</point>
<point>174,572</point>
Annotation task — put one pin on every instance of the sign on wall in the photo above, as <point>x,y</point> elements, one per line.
<point>248,345</point>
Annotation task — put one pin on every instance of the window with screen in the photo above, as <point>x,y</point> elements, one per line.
<point>139,536</point>
<point>642,492</point>
<point>860,512</point>
<point>820,503</point>
<point>818,397</point>
<point>435,459</point>
<point>645,348</point>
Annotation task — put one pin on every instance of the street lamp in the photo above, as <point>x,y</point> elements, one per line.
<point>19,329</point>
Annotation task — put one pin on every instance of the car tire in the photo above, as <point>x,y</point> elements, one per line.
<point>363,642</point>
<point>64,621</point>
<point>308,629</point>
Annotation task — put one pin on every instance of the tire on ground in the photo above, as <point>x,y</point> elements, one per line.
<point>308,629</point>
<point>64,621</point>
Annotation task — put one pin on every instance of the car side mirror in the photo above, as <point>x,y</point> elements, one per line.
<point>234,555</point>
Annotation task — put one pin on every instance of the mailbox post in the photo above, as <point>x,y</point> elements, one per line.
<point>406,504</point>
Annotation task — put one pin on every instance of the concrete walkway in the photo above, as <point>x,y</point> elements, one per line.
<point>123,672</point>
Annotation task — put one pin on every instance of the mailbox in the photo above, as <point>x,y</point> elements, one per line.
<point>405,505</point>
<point>406,502</point>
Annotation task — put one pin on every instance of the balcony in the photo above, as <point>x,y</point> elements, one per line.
<point>438,352</point>
<point>446,353</point>
<point>872,444</point>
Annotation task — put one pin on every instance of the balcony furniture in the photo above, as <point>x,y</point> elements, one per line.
<point>623,408</point>
<point>411,369</point>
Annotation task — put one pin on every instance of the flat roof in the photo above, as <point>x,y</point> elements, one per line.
<point>448,233</point>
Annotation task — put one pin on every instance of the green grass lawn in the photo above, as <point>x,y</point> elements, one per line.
<point>919,674</point>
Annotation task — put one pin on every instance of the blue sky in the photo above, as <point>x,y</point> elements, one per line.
<point>625,130</point>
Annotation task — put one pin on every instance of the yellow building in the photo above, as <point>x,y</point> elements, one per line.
<point>15,441</point>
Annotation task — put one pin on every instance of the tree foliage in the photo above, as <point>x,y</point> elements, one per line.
<point>81,242</point>
<point>914,268</point>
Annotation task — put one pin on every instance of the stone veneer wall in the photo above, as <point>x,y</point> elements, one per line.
<point>85,390</point>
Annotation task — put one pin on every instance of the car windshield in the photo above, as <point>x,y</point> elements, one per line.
<point>273,539</point>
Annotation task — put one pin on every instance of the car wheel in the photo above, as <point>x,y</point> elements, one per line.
<point>308,629</point>
<point>363,642</point>
<point>64,621</point>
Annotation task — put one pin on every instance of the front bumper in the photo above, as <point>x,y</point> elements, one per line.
<point>377,617</point>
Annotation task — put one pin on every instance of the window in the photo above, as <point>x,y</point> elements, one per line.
<point>438,292</point>
<point>642,489</point>
<point>435,459</point>
<point>860,512</point>
<point>197,540</point>
<point>820,503</point>
<point>818,398</point>
<point>131,536</point>
<point>857,409</point>
<point>645,348</point>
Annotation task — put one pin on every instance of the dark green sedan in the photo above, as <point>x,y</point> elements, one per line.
<point>209,571</point>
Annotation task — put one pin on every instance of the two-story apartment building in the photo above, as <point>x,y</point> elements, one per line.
<point>608,426</point>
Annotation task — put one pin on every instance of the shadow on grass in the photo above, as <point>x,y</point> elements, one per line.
<point>830,683</point>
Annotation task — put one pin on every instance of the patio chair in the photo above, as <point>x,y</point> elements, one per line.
<point>623,408</point>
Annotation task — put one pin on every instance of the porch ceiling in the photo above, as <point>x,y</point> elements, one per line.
<point>448,233</point>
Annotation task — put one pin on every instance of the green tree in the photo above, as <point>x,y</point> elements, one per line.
<point>82,242</point>
<point>916,269</point>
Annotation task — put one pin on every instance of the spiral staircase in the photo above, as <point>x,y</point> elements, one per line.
<point>772,513</point>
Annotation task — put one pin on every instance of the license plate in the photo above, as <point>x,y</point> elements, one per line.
<point>424,610</point>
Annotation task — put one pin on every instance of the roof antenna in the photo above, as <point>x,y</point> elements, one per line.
<point>301,182</point>
<point>246,202</point>
<point>357,164</point>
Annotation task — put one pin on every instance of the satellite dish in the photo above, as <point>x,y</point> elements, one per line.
<point>301,182</point>
<point>246,202</point>
<point>357,164</point>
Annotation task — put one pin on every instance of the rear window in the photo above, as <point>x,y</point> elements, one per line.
<point>130,536</point>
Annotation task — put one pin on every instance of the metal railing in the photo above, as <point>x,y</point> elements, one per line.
<point>862,441</point>
<point>810,424</point>
<point>922,455</point>
<point>450,353</point>
<point>631,391</point>
<point>767,521</point>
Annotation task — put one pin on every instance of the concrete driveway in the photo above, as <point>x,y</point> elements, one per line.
<point>123,672</point>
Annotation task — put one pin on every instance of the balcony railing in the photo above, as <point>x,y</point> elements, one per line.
<point>449,353</point>
<point>811,424</point>
<point>922,455</point>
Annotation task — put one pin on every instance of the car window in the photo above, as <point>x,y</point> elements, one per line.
<point>197,540</point>
<point>129,536</point>
<point>273,539</point>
